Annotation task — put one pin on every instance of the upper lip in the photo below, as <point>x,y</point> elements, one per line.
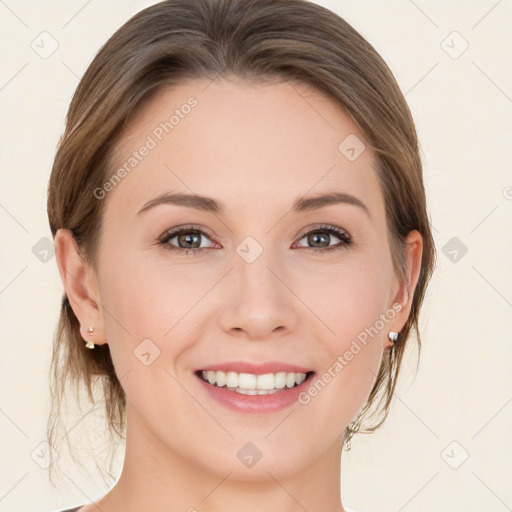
<point>256,369</point>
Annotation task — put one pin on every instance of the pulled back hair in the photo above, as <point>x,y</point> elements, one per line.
<point>255,40</point>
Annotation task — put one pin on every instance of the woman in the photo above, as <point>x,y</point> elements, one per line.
<point>240,224</point>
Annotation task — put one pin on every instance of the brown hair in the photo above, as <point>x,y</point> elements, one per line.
<point>255,40</point>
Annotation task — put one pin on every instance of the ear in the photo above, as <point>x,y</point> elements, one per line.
<point>80,283</point>
<point>403,297</point>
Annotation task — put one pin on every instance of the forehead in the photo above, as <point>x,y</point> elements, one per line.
<point>248,143</point>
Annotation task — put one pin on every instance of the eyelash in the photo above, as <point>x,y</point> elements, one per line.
<point>331,230</point>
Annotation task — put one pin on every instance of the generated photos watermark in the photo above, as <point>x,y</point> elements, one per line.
<point>152,140</point>
<point>349,354</point>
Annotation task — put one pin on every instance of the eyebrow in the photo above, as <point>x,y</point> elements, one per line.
<point>211,205</point>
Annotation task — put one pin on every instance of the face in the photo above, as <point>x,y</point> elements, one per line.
<point>280,289</point>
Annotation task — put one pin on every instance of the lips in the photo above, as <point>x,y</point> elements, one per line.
<point>246,401</point>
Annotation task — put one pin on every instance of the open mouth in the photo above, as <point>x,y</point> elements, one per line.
<point>251,384</point>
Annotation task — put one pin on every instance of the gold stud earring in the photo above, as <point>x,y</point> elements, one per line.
<point>90,344</point>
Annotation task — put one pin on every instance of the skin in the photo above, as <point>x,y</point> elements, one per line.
<point>256,148</point>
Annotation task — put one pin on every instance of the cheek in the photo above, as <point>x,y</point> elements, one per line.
<point>148,299</point>
<point>147,314</point>
<point>352,300</point>
<point>355,309</point>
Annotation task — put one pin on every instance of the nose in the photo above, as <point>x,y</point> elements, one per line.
<point>260,302</point>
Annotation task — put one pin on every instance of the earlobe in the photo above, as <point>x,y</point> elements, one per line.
<point>79,282</point>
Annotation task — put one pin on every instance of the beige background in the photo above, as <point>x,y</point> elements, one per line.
<point>460,402</point>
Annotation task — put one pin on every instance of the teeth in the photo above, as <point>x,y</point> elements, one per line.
<point>247,381</point>
<point>250,384</point>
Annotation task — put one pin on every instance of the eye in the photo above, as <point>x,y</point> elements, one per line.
<point>323,235</point>
<point>188,240</point>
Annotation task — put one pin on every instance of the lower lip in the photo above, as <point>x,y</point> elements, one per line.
<point>255,403</point>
